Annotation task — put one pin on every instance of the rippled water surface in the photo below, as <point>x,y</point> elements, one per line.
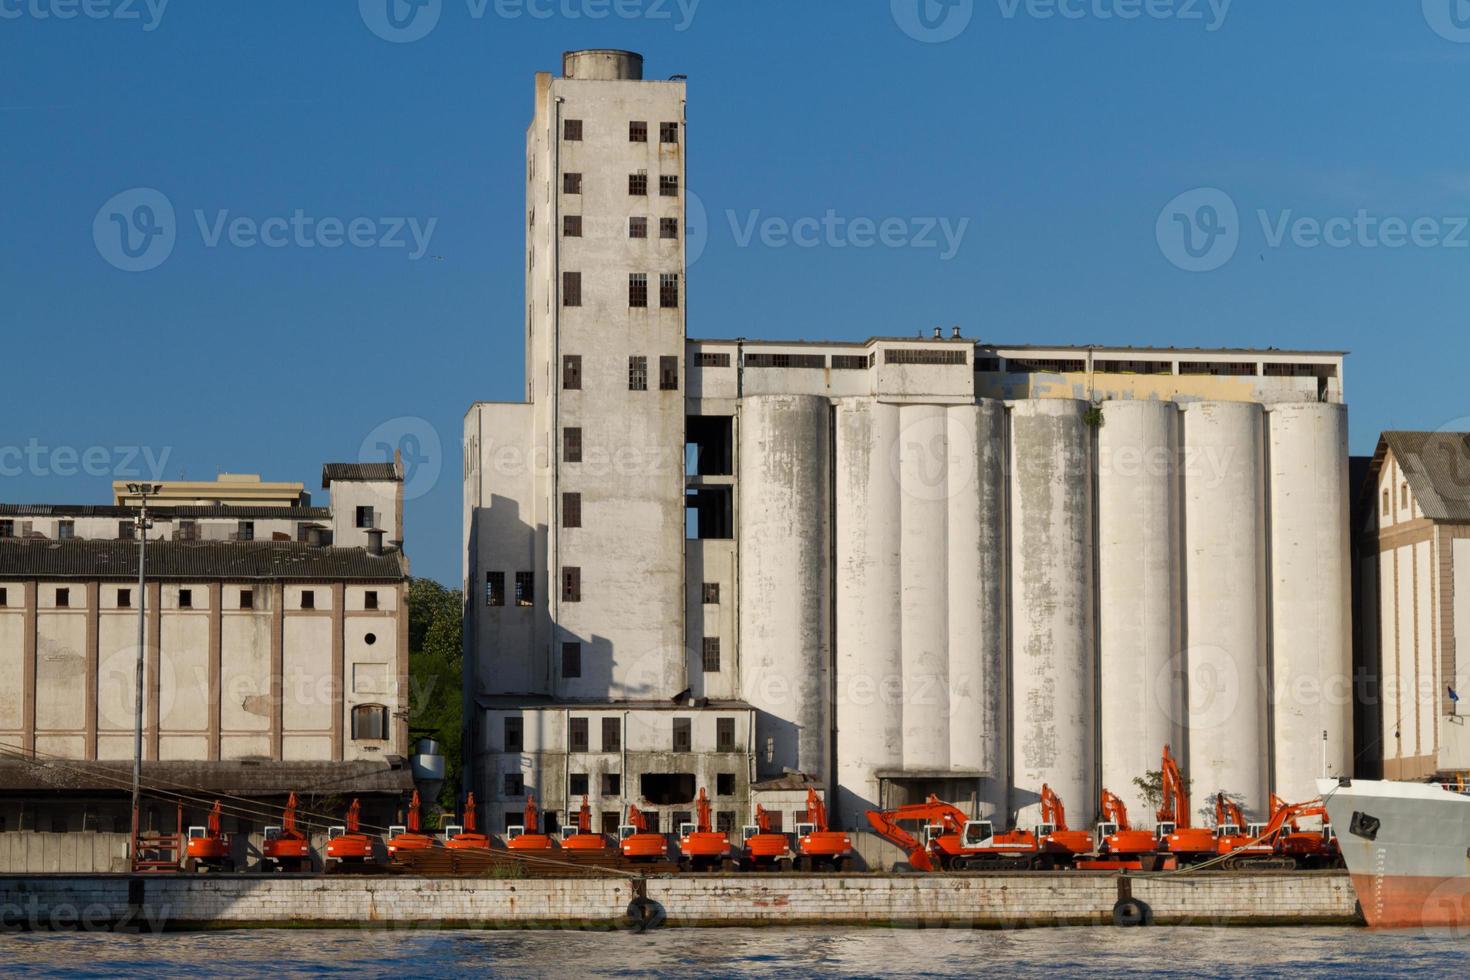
<point>1051,953</point>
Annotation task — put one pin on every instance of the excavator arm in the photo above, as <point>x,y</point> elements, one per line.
<point>288,819</point>
<point>703,807</point>
<point>1052,810</point>
<point>469,814</point>
<point>816,811</point>
<point>637,820</point>
<point>887,825</point>
<point>354,817</point>
<point>533,816</point>
<point>415,822</point>
<point>1114,810</point>
<point>762,820</point>
<point>584,818</point>
<point>1175,802</point>
<point>1227,811</point>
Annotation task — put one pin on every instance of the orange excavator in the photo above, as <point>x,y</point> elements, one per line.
<point>467,837</point>
<point>285,848</point>
<point>1310,848</point>
<point>702,847</point>
<point>1278,844</point>
<point>1187,843</point>
<point>1118,847</point>
<point>950,841</point>
<point>410,837</point>
<point>638,843</point>
<point>818,846</point>
<point>208,848</point>
<point>584,841</point>
<point>347,845</point>
<point>529,836</point>
<point>1060,843</point>
<point>766,849</point>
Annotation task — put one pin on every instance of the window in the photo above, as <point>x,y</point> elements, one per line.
<point>245,531</point>
<point>571,669</point>
<point>572,129</point>
<point>577,784</point>
<point>724,734</point>
<point>571,225</point>
<point>774,816</point>
<point>515,785</point>
<point>683,735</point>
<point>725,784</point>
<point>7,529</point>
<point>571,183</point>
<point>571,289</point>
<point>668,374</point>
<point>668,186</point>
<point>4,598</point>
<point>725,821</point>
<point>908,355</point>
<point>571,372</point>
<point>638,185</point>
<point>637,227</point>
<point>1404,496</point>
<point>571,510</point>
<point>525,588</point>
<point>370,600</point>
<point>125,531</point>
<point>494,588</point>
<point>369,722</point>
<point>612,735</point>
<point>513,730</point>
<point>186,598</point>
<point>637,374</point>
<point>247,599</point>
<point>711,654</point>
<point>637,290</point>
<point>188,531</point>
<point>66,530</point>
<point>308,599</point>
<point>571,584</point>
<point>637,132</point>
<point>577,737</point>
<point>849,362</point>
<point>612,784</point>
<point>707,359</point>
<point>571,445</point>
<point>785,361</point>
<point>63,598</point>
<point>668,227</point>
<point>712,593</point>
<point>668,132</point>
<point>668,290</point>
<point>365,517</point>
<point>1385,503</point>
<point>124,598</point>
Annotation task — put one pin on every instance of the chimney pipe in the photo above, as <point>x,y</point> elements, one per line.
<point>938,333</point>
<point>314,537</point>
<point>375,541</point>
<point>956,333</point>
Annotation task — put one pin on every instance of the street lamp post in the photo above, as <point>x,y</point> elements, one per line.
<point>142,524</point>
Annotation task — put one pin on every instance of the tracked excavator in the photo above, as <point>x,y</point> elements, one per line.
<point>286,848</point>
<point>766,849</point>
<point>637,842</point>
<point>702,848</point>
<point>1118,847</point>
<point>819,847</point>
<point>1187,843</point>
<point>528,836</point>
<point>582,839</point>
<point>208,849</point>
<point>409,837</point>
<point>347,845</point>
<point>467,836</point>
<point>950,841</point>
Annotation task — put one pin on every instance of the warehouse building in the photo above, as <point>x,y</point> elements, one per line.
<point>884,568</point>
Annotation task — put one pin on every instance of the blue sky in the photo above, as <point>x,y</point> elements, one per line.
<point>1060,140</point>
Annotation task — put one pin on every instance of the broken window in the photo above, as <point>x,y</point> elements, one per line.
<point>612,784</point>
<point>365,517</point>
<point>667,788</point>
<point>710,514</point>
<point>725,784</point>
<point>724,734</point>
<point>577,736</point>
<point>247,599</point>
<point>668,227</point>
<point>245,531</point>
<point>637,374</point>
<point>571,183</point>
<point>514,730</point>
<point>668,186</point>
<point>571,510</point>
<point>668,132</point>
<point>515,785</point>
<point>370,600</point>
<point>637,290</point>
<point>637,227</point>
<point>308,599</point>
<point>683,735</point>
<point>571,669</point>
<point>63,598</point>
<point>668,374</point>
<point>571,289</point>
<point>525,588</point>
<point>186,598</point>
<point>370,722</point>
<point>4,598</point>
<point>711,654</point>
<point>571,445</point>
<point>577,784</point>
<point>66,530</point>
<point>637,132</point>
<point>612,735</point>
<point>638,185</point>
<point>494,588</point>
<point>571,584</point>
<point>571,372</point>
<point>124,598</point>
<point>710,445</point>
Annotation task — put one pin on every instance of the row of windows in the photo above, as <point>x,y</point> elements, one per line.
<point>668,132</point>
<point>668,373</point>
<point>495,588</point>
<point>840,362</point>
<point>668,290</point>
<point>579,737</point>
<point>186,599</point>
<point>668,184</point>
<point>184,529</point>
<point>668,228</point>
<point>571,652</point>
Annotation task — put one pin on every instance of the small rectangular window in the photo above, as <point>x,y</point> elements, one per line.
<point>494,588</point>
<point>637,374</point>
<point>725,784</point>
<point>571,584</point>
<point>7,529</point>
<point>724,734</point>
<point>849,362</point>
<point>638,185</point>
<point>308,599</point>
<point>571,225</point>
<point>683,735</point>
<point>668,186</point>
<point>125,531</point>
<point>1404,496</point>
<point>186,598</point>
<point>637,132</point>
<point>66,530</point>
<point>571,372</point>
<point>365,517</point>
<point>668,227</point>
<point>712,593</point>
<point>571,289</point>
<point>370,600</point>
<point>124,598</point>
<point>668,290</point>
<point>711,655</point>
<point>612,784</point>
<point>712,360</point>
<point>63,598</point>
<point>571,444</point>
<point>668,374</point>
<point>1385,503</point>
<point>514,728</point>
<point>637,290</point>
<point>245,531</point>
<point>515,785</point>
<point>577,783</point>
<point>637,227</point>
<point>370,722</point>
<point>247,599</point>
<point>577,739</point>
<point>571,183</point>
<point>4,598</point>
<point>573,130</point>
<point>612,735</point>
<point>525,588</point>
<point>571,510</point>
<point>571,668</point>
<point>668,132</point>
<point>188,531</point>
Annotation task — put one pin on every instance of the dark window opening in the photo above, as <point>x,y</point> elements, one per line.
<point>577,784</point>
<point>667,788</point>
<point>612,784</point>
<point>571,183</point>
<point>683,735</point>
<point>247,599</point>
<point>571,510</point>
<point>637,132</point>
<point>245,531</point>
<point>849,362</point>
<point>4,598</point>
<point>774,816</point>
<point>910,355</point>
<point>724,734</point>
<point>711,593</point>
<point>525,588</point>
<point>494,588</point>
<point>668,227</point>
<point>125,531</point>
<point>668,374</point>
<point>571,584</point>
<point>365,517</point>
<point>1218,369</point>
<point>308,599</point>
<point>571,372</point>
<point>637,290</point>
<point>668,186</point>
<point>612,735</point>
<point>186,598</point>
<point>710,445</point>
<point>725,821</point>
<point>725,784</point>
<point>515,785</point>
<point>668,291</point>
<point>711,655</point>
<point>573,130</point>
<point>810,361</point>
<point>187,531</point>
<point>514,729</point>
<point>571,225</point>
<point>578,734</point>
<point>7,529</point>
<point>124,598</point>
<point>63,598</point>
<point>637,227</point>
<point>370,722</point>
<point>370,600</point>
<point>668,132</point>
<point>571,444</point>
<point>571,669</point>
<point>571,289</point>
<point>638,185</point>
<point>711,514</point>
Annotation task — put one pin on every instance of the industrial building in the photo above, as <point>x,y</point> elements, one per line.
<point>889,567</point>
<point>276,649</point>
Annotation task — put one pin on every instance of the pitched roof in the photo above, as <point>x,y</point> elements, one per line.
<point>360,473</point>
<point>167,513</point>
<point>1437,466</point>
<point>269,560</point>
<point>237,778</point>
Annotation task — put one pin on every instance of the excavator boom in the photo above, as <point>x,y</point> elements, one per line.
<point>816,811</point>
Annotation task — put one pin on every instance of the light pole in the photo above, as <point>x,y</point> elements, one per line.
<point>141,524</point>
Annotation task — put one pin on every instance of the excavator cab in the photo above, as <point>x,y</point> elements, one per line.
<point>932,832</point>
<point>1101,835</point>
<point>685,829</point>
<point>746,833</point>
<point>1166,830</point>
<point>397,830</point>
<point>625,831</point>
<point>978,833</point>
<point>1045,830</point>
<point>1227,830</point>
<point>1255,831</point>
<point>511,833</point>
<point>803,829</point>
<point>453,830</point>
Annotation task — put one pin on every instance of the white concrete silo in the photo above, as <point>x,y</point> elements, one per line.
<point>1225,584</point>
<point>1141,697</point>
<point>869,640</point>
<point>1051,599</point>
<point>1311,592</point>
<point>784,576</point>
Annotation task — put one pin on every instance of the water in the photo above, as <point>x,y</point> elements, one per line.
<point>1050,953</point>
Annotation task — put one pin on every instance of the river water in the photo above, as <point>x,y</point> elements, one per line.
<point>1051,953</point>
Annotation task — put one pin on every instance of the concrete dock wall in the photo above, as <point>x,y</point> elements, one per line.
<point>979,901</point>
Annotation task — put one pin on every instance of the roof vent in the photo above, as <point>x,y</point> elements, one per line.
<point>956,333</point>
<point>938,333</point>
<point>375,541</point>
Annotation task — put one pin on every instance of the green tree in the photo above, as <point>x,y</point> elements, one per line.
<point>435,665</point>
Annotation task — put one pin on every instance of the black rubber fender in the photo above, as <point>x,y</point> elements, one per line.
<point>1130,913</point>
<point>645,913</point>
